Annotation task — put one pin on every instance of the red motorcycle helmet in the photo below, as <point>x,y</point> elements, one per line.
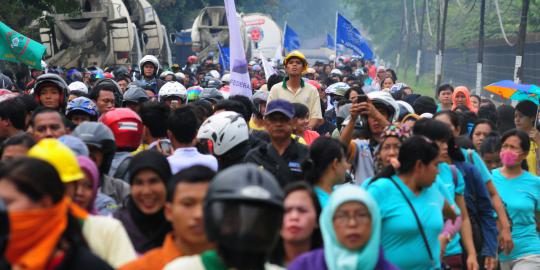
<point>126,126</point>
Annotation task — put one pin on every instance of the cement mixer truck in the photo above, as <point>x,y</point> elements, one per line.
<point>259,33</point>
<point>106,32</point>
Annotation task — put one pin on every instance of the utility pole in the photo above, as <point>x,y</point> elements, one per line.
<point>408,40</point>
<point>437,59</point>
<point>441,46</point>
<point>518,71</point>
<point>420,41</point>
<point>480,62</point>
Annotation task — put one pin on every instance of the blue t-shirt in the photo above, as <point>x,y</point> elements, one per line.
<point>446,178</point>
<point>478,163</point>
<point>522,198</point>
<point>322,195</point>
<point>401,239</point>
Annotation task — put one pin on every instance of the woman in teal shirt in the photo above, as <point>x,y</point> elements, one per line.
<point>520,190</point>
<point>401,237</point>
<point>325,167</point>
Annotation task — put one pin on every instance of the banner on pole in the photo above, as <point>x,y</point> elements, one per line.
<point>224,57</point>
<point>348,36</point>
<point>15,47</point>
<point>291,41</point>
<point>240,83</point>
<point>330,43</point>
<point>267,66</point>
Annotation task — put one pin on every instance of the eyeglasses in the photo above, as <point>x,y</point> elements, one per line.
<point>343,218</point>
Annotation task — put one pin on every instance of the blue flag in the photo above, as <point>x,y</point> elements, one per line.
<point>348,36</point>
<point>291,41</point>
<point>224,57</point>
<point>330,44</point>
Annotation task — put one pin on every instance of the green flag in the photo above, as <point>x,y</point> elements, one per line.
<point>15,47</point>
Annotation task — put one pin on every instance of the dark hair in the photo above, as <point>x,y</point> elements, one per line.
<point>476,96</point>
<point>413,149</point>
<point>191,175</point>
<point>30,103</point>
<point>34,178</point>
<point>524,141</point>
<point>479,122</point>
<point>300,110</point>
<point>154,116</point>
<point>204,108</point>
<point>183,124</point>
<point>394,76</point>
<point>488,112</point>
<point>382,81</point>
<point>248,106</point>
<point>41,110</point>
<point>444,87</point>
<point>231,105</point>
<point>454,117</point>
<point>274,79</point>
<point>278,254</point>
<point>20,139</point>
<point>438,131</point>
<point>505,118</point>
<point>322,153</point>
<point>358,90</point>
<point>14,110</point>
<point>491,144</point>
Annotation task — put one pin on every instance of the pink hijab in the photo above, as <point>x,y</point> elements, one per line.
<point>465,91</point>
<point>91,170</point>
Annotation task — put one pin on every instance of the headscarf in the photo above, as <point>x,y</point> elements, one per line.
<point>336,255</point>
<point>401,132</point>
<point>154,227</point>
<point>465,91</point>
<point>90,170</point>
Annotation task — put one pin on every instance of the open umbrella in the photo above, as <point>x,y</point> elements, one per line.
<point>518,92</point>
<point>509,90</point>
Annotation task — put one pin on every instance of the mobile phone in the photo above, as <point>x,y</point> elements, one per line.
<point>165,146</point>
<point>361,98</point>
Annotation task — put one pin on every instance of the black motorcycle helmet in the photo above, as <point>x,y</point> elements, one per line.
<point>243,212</point>
<point>98,135</point>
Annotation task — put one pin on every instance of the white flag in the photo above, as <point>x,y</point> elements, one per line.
<point>268,69</point>
<point>240,83</point>
<point>278,56</point>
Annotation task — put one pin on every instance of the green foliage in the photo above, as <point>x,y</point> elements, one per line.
<point>382,20</point>
<point>18,14</point>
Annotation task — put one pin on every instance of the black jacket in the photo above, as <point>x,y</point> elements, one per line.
<point>287,167</point>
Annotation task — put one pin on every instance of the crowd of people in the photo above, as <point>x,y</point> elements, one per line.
<point>336,165</point>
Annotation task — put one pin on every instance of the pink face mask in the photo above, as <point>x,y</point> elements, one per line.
<point>508,157</point>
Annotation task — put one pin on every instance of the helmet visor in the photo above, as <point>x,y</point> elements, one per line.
<point>246,226</point>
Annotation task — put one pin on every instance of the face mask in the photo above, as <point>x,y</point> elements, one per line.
<point>508,157</point>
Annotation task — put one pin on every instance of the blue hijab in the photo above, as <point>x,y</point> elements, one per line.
<point>336,255</point>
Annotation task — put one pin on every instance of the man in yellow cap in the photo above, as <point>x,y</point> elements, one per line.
<point>295,90</point>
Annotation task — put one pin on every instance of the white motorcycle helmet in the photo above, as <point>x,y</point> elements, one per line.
<point>152,59</point>
<point>226,130</point>
<point>386,99</point>
<point>172,89</point>
<point>165,74</point>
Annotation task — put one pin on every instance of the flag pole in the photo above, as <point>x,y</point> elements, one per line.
<point>283,39</point>
<point>335,39</point>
